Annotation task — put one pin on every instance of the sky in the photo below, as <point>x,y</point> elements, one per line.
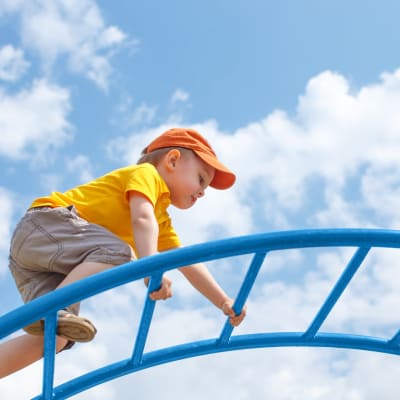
<point>300,98</point>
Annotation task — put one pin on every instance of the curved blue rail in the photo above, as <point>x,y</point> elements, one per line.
<point>259,245</point>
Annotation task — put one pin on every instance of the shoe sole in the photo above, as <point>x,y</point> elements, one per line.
<point>73,328</point>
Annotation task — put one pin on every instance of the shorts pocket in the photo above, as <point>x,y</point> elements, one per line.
<point>32,247</point>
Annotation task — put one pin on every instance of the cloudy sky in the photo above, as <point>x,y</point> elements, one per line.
<point>300,98</point>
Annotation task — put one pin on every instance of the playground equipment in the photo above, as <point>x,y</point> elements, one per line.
<point>260,245</point>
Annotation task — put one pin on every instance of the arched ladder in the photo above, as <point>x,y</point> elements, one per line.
<point>259,245</point>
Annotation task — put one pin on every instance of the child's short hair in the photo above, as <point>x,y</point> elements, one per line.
<point>155,156</point>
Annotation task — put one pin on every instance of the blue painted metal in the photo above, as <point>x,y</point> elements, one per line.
<point>49,355</point>
<point>145,321</point>
<point>258,245</point>
<point>337,291</point>
<point>243,294</point>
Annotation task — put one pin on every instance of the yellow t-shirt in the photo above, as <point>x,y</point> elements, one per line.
<point>104,201</point>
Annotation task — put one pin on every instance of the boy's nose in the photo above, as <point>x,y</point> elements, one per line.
<point>201,193</point>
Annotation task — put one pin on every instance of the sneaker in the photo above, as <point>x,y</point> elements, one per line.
<point>69,326</point>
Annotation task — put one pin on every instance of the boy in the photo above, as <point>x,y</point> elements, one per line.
<point>109,221</point>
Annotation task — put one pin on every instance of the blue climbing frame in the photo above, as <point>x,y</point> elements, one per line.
<point>258,245</point>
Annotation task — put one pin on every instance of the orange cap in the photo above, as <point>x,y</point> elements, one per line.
<point>190,139</point>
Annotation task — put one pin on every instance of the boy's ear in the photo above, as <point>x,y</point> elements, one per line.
<point>171,158</point>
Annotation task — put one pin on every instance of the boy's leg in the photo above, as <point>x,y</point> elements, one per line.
<point>19,352</point>
<point>84,270</point>
<point>32,255</point>
<point>52,248</point>
<point>70,326</point>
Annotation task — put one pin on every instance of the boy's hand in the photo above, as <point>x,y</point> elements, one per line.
<point>227,309</point>
<point>165,291</point>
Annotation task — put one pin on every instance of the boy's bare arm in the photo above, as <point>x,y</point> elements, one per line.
<point>144,225</point>
<point>145,233</point>
<point>201,278</point>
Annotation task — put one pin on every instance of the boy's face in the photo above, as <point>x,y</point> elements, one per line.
<point>188,179</point>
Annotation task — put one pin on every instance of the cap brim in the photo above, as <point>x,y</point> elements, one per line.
<point>223,178</point>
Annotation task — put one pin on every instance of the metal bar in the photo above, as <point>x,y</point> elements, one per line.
<point>337,291</point>
<point>49,352</point>
<point>363,239</point>
<point>238,342</point>
<point>244,292</point>
<point>147,315</point>
<point>203,252</point>
<point>395,340</point>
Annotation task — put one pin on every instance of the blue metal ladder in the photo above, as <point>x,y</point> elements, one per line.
<point>363,240</point>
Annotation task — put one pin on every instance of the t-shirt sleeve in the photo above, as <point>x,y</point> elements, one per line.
<point>146,181</point>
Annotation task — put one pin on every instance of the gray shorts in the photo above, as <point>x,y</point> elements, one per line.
<point>48,243</point>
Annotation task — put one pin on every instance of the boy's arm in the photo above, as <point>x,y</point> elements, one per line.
<point>145,235</point>
<point>200,278</point>
<point>144,225</point>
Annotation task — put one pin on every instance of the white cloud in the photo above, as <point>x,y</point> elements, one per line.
<point>34,120</point>
<point>130,116</point>
<point>12,63</point>
<point>179,96</point>
<point>128,149</point>
<point>6,212</point>
<point>333,163</point>
<point>72,29</point>
<point>333,137</point>
<point>7,6</point>
<point>82,166</point>
<point>50,182</point>
<point>380,187</point>
<point>79,168</point>
<point>143,114</point>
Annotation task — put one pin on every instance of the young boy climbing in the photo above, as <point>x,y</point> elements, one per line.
<point>111,220</point>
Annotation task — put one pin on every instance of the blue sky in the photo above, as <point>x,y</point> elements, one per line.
<point>300,98</point>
